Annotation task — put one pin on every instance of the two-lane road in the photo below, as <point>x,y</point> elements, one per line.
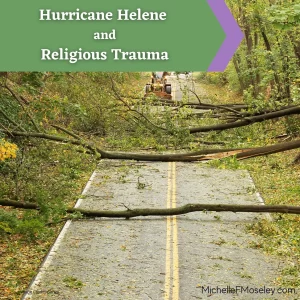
<point>194,256</point>
<point>153,257</point>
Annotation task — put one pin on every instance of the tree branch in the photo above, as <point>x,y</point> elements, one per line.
<point>84,144</point>
<point>66,131</point>
<point>266,150</point>
<point>130,109</point>
<point>248,120</point>
<point>181,210</point>
<point>188,208</point>
<point>205,154</point>
<point>217,106</point>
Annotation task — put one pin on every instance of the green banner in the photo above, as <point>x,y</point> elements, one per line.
<point>108,35</point>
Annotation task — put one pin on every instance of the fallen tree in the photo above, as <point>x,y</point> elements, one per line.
<point>181,210</point>
<point>248,120</point>
<point>201,155</point>
<point>207,154</point>
<point>240,118</point>
<point>269,149</point>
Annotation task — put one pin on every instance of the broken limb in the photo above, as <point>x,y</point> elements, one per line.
<point>205,154</point>
<point>189,156</point>
<point>188,208</point>
<point>248,120</point>
<point>181,210</point>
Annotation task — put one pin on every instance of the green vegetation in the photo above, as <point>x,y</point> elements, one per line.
<point>51,124</point>
<point>72,282</point>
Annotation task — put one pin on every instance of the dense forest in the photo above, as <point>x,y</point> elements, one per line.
<point>55,127</point>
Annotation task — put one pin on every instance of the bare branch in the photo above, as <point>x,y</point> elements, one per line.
<point>130,109</point>
<point>181,210</point>
<point>196,96</point>
<point>248,120</point>
<point>7,130</point>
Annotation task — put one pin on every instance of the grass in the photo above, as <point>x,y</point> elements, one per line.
<point>277,180</point>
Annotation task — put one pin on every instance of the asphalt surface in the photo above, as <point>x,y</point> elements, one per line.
<point>201,255</point>
<point>155,257</point>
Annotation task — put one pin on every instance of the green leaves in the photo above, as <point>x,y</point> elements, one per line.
<point>285,16</point>
<point>72,282</point>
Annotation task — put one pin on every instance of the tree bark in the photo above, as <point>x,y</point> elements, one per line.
<point>18,204</point>
<point>266,150</point>
<point>248,120</point>
<point>188,208</point>
<point>184,157</point>
<point>181,210</point>
<point>236,63</point>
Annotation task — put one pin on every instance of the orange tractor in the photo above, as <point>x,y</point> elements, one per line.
<point>159,86</point>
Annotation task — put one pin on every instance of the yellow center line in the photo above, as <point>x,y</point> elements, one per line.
<point>172,265</point>
<point>175,239</point>
<point>168,245</point>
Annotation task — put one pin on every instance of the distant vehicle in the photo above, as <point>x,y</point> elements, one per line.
<point>159,85</point>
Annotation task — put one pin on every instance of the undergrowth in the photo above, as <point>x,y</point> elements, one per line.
<point>51,177</point>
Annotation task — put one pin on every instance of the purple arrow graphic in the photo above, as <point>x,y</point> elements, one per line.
<point>233,35</point>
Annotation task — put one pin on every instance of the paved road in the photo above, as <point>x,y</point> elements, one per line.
<point>194,256</point>
<point>181,87</point>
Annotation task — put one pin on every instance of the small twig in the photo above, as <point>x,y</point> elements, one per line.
<point>217,106</point>
<point>127,207</point>
<point>130,109</point>
<point>196,97</point>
